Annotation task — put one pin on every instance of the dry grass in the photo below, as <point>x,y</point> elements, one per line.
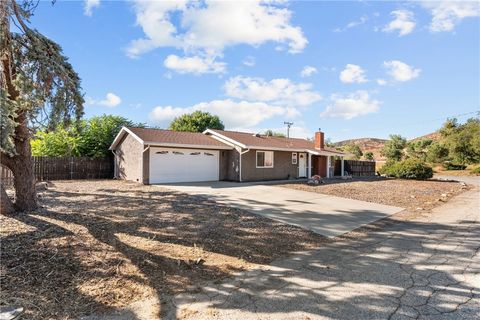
<point>96,246</point>
<point>409,194</point>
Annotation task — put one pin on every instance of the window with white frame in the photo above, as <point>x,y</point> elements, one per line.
<point>264,159</point>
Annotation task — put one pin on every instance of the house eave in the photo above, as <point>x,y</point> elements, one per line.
<point>189,146</point>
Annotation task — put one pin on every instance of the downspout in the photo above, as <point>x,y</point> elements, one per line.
<point>240,163</point>
<point>143,154</point>
<point>115,169</point>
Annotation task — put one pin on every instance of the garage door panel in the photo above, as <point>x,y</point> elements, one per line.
<point>183,165</point>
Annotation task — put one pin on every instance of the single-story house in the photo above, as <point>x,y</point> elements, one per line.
<point>154,156</point>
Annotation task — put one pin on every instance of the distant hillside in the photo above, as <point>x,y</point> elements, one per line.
<point>432,136</point>
<point>374,145</point>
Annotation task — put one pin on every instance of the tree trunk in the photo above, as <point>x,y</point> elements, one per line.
<point>22,168</point>
<point>6,205</point>
<point>21,165</point>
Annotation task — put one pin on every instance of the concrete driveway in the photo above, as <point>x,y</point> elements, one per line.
<point>327,215</point>
<point>425,268</point>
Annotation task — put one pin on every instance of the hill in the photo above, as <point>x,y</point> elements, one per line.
<point>374,145</point>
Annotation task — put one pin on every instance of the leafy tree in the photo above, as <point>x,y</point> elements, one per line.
<point>462,140</point>
<point>418,149</point>
<point>38,87</point>
<point>58,143</point>
<point>196,121</point>
<point>368,155</point>
<point>436,153</point>
<point>92,138</point>
<point>271,133</point>
<point>97,134</point>
<point>354,150</point>
<point>393,148</point>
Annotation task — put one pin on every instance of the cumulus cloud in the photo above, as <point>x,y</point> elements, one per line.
<point>208,27</point>
<point>276,91</point>
<point>403,22</point>
<point>353,74</point>
<point>307,71</point>
<point>233,113</point>
<point>111,100</point>
<point>447,14</point>
<point>195,64</point>
<point>350,106</point>
<point>400,71</point>
<point>249,61</point>
<point>89,5</point>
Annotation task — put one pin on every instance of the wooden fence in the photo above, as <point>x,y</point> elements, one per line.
<point>356,168</point>
<point>65,168</point>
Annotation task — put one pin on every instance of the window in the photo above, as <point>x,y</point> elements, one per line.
<point>264,159</point>
<point>195,153</point>
<point>294,158</point>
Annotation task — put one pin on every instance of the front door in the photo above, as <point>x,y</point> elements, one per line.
<point>302,165</point>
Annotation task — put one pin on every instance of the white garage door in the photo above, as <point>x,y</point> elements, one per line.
<point>183,165</point>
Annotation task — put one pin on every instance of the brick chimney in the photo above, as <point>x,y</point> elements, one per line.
<point>319,140</point>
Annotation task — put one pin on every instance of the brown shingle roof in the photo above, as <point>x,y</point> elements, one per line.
<point>175,137</point>
<point>261,141</point>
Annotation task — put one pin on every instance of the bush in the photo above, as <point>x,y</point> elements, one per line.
<point>407,169</point>
<point>476,171</point>
<point>448,165</point>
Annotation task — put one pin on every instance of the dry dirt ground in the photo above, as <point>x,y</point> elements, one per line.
<point>96,246</point>
<point>410,194</point>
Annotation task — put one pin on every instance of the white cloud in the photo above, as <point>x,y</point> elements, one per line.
<point>89,5</point>
<point>401,71</point>
<point>207,28</point>
<point>276,91</point>
<point>404,22</point>
<point>350,106</point>
<point>307,71</point>
<point>447,14</point>
<point>382,82</point>
<point>249,61</point>
<point>111,100</point>
<point>353,74</point>
<point>233,113</point>
<point>353,24</point>
<point>195,64</point>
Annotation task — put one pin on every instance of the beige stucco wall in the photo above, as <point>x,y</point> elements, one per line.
<point>129,159</point>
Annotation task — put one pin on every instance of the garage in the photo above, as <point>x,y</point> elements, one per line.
<point>169,165</point>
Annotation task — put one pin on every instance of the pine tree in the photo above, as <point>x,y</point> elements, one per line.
<point>38,88</point>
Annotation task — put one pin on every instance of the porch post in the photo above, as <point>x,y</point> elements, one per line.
<point>309,175</point>
<point>328,166</point>
<point>342,167</point>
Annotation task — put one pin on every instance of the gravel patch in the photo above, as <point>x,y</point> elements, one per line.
<point>410,194</point>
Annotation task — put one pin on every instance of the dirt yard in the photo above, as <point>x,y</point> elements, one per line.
<point>409,194</point>
<point>96,246</point>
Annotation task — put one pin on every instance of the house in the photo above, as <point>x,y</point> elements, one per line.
<point>154,156</point>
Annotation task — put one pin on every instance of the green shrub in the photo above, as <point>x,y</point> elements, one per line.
<point>476,171</point>
<point>448,165</point>
<point>407,169</point>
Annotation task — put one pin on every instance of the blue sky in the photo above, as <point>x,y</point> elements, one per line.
<point>354,69</point>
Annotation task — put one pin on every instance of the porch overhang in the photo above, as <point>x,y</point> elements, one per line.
<point>326,153</point>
